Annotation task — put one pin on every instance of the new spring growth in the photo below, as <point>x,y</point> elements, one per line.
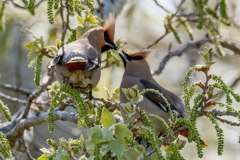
<point>131,93</point>
<point>207,57</point>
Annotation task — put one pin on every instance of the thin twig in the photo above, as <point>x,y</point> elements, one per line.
<point>107,103</point>
<point>159,5</point>
<point>179,6</point>
<point>179,53</point>
<point>100,9</point>
<point>65,24</point>
<point>166,138</point>
<point>15,88</point>
<point>228,122</point>
<point>159,39</point>
<point>12,99</point>
<point>230,45</point>
<point>221,113</point>
<point>225,43</point>
<point>27,150</point>
<point>66,104</point>
<point>221,93</point>
<point>22,7</point>
<point>15,133</point>
<point>166,29</point>
<point>35,94</point>
<point>45,52</point>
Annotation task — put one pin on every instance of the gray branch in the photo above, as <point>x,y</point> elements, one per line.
<point>14,134</point>
<point>228,122</point>
<point>222,113</point>
<point>12,99</point>
<point>35,94</point>
<point>230,45</point>
<point>107,103</point>
<point>179,53</point>
<point>15,88</point>
<point>225,43</point>
<point>22,7</point>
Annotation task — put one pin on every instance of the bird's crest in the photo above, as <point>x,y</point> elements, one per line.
<point>109,26</point>
<point>142,53</point>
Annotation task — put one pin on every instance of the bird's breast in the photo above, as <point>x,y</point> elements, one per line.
<point>74,66</point>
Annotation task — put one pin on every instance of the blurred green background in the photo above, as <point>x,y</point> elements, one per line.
<point>139,23</point>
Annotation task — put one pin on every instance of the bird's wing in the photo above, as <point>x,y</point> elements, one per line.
<point>159,101</point>
<point>57,58</point>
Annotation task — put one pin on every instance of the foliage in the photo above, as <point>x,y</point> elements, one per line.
<point>109,138</point>
<point>5,111</point>
<point>5,147</point>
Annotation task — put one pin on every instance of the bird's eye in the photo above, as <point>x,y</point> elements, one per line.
<point>134,58</point>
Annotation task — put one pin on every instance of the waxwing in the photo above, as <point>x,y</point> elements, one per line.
<point>137,72</point>
<point>78,63</point>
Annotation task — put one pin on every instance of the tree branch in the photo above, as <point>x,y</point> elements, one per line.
<point>107,103</point>
<point>228,122</point>
<point>27,150</point>
<point>22,7</point>
<point>100,8</point>
<point>221,113</point>
<point>35,94</point>
<point>12,99</point>
<point>230,45</point>
<point>159,39</point>
<point>161,7</point>
<point>166,29</point>
<point>179,53</point>
<point>14,134</point>
<point>15,88</point>
<point>65,24</point>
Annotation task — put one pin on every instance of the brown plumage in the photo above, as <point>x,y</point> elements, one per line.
<point>137,72</point>
<point>78,63</point>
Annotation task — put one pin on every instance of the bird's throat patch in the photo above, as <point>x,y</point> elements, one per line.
<point>74,66</point>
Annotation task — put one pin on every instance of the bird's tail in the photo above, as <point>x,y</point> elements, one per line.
<point>185,132</point>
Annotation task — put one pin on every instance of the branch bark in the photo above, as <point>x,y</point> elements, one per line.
<point>35,94</point>
<point>14,134</point>
<point>15,88</point>
<point>179,53</point>
<point>12,99</point>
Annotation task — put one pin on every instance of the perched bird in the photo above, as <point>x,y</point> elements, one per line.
<point>137,72</point>
<point>78,63</point>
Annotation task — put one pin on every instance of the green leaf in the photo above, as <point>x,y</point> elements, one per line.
<point>117,146</point>
<point>59,43</point>
<point>107,118</point>
<point>44,157</point>
<point>80,20</point>
<point>95,89</point>
<point>62,154</point>
<point>115,94</point>
<point>96,134</point>
<point>32,55</point>
<point>129,154</point>
<point>46,151</point>
<point>31,45</point>
<point>122,131</point>
<point>154,157</point>
<point>31,32</point>
<point>79,31</point>
<point>107,135</point>
<point>92,19</point>
<point>64,143</point>
<point>41,41</point>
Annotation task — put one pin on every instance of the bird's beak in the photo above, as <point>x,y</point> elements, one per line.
<point>124,58</point>
<point>125,54</point>
<point>112,45</point>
